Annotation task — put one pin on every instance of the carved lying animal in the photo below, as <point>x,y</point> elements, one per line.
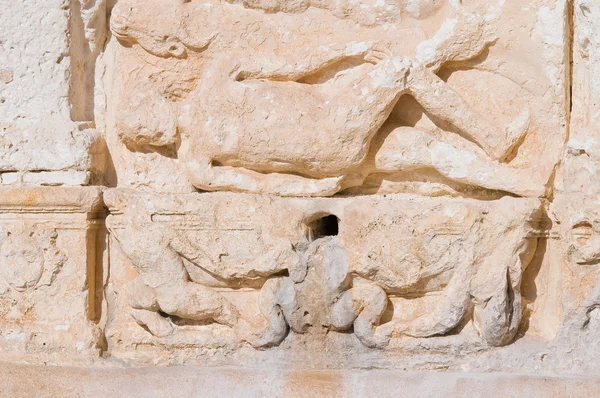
<point>254,123</point>
<point>473,257</point>
<point>179,267</point>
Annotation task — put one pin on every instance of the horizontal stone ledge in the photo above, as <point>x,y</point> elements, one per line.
<point>188,381</point>
<point>47,178</point>
<point>51,199</point>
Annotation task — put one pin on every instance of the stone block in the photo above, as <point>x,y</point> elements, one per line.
<point>49,291</point>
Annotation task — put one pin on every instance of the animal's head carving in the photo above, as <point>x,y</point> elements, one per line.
<point>583,237</point>
<point>158,26</point>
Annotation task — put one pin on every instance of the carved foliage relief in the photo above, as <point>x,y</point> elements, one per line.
<point>44,293</point>
<point>33,259</point>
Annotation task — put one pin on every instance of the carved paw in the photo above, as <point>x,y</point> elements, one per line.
<point>260,337</point>
<point>380,338</point>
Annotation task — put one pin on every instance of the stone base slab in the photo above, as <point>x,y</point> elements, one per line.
<point>190,381</point>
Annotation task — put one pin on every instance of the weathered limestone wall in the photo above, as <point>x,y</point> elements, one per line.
<point>298,191</point>
<point>46,62</point>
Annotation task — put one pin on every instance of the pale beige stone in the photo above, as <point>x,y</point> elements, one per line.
<point>312,266</point>
<point>48,239</point>
<point>41,126</point>
<point>293,193</point>
<point>199,381</point>
<point>303,113</point>
<point>56,178</point>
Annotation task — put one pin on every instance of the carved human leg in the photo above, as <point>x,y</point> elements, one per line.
<point>295,66</point>
<point>408,148</point>
<point>204,175</point>
<point>438,98</point>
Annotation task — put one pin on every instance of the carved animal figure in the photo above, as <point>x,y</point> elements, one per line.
<point>350,276</point>
<point>177,276</point>
<point>578,223</point>
<point>259,122</point>
<point>474,258</point>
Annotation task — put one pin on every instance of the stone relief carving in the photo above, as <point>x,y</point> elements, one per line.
<point>331,99</point>
<point>578,228</point>
<point>329,273</point>
<point>48,273</point>
<point>31,258</point>
<point>303,115</point>
<point>180,269</point>
<point>441,250</point>
<point>399,184</point>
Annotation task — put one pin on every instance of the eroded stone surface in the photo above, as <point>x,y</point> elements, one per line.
<point>300,111</point>
<point>41,127</point>
<point>401,185</point>
<point>194,273</point>
<point>47,274</point>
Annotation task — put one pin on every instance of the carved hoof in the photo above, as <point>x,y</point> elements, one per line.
<point>153,321</point>
<point>515,132</point>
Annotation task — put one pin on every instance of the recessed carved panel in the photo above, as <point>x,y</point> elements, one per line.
<point>49,308</point>
<point>192,272</point>
<point>369,175</point>
<point>308,99</point>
